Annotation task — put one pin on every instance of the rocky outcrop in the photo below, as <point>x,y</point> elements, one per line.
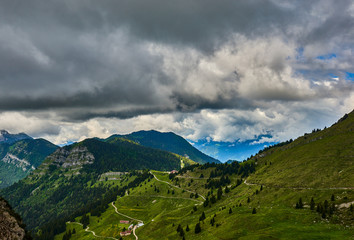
<point>11,226</point>
<point>20,163</point>
<point>77,156</point>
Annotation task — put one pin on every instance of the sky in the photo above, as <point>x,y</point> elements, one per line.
<point>207,70</point>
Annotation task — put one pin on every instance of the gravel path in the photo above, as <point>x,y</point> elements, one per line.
<point>177,186</point>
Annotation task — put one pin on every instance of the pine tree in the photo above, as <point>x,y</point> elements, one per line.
<point>181,233</point>
<point>323,214</point>
<point>301,205</point>
<point>351,208</point>
<point>212,221</point>
<point>333,198</point>
<point>179,228</point>
<point>319,208</point>
<point>326,205</point>
<point>202,217</point>
<point>197,228</point>
<point>206,202</point>
<point>332,209</point>
<point>85,220</point>
<point>254,211</point>
<point>230,211</point>
<point>248,200</point>
<point>312,204</point>
<point>219,194</point>
<point>187,228</point>
<point>213,199</point>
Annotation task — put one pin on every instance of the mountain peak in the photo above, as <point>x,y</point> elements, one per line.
<point>167,141</point>
<point>4,132</point>
<point>6,137</point>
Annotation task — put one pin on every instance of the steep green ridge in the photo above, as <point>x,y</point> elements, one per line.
<point>19,158</point>
<point>167,141</point>
<point>320,159</point>
<point>273,202</point>
<point>72,180</point>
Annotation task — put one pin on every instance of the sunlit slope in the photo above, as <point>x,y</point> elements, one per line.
<point>163,211</point>
<point>322,159</point>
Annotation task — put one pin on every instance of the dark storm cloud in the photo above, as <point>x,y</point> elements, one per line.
<point>186,102</point>
<point>86,59</point>
<point>336,22</point>
<point>202,24</point>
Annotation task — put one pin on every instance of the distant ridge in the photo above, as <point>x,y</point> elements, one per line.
<point>6,137</point>
<point>19,155</point>
<point>167,141</point>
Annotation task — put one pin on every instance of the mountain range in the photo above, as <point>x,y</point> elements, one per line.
<point>19,155</point>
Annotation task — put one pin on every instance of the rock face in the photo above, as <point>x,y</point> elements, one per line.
<point>11,226</point>
<point>77,156</point>
<point>6,137</point>
<point>20,163</point>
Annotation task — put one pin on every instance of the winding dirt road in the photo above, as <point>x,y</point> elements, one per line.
<point>140,221</point>
<point>125,215</point>
<point>94,234</point>
<point>176,186</point>
<point>299,188</point>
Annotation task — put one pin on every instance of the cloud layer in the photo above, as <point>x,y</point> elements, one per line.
<point>224,69</point>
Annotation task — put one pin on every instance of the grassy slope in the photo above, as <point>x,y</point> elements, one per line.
<point>321,160</point>
<point>276,217</point>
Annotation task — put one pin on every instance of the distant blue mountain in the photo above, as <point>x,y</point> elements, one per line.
<point>237,150</point>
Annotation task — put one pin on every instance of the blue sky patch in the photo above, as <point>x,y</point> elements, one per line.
<point>327,56</point>
<point>349,76</point>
